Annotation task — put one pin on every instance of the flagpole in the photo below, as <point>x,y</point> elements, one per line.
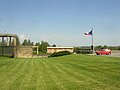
<point>92,42</point>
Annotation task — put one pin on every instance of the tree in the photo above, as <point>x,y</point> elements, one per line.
<point>98,47</point>
<point>54,45</point>
<point>29,42</point>
<point>17,41</point>
<point>118,47</point>
<point>105,46</point>
<point>32,43</point>
<point>43,46</point>
<point>25,42</point>
<point>37,44</point>
<point>0,43</point>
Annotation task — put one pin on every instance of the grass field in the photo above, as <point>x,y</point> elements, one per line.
<point>72,72</point>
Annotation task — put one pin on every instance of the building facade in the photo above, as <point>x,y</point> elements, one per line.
<point>58,49</point>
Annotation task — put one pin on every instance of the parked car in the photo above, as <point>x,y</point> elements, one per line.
<point>103,51</point>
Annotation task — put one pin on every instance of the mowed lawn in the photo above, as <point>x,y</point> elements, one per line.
<point>72,72</point>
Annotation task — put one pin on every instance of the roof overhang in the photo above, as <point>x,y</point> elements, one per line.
<point>59,47</point>
<point>8,35</point>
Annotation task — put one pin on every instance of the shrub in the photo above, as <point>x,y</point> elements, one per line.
<point>61,53</point>
<point>84,51</point>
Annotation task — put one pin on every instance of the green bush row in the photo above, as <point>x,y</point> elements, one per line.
<point>61,53</point>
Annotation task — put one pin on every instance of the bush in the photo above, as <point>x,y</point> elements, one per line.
<point>84,51</point>
<point>61,53</point>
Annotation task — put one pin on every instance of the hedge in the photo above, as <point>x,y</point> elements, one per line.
<point>61,53</point>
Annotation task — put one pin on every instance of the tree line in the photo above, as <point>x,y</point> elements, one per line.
<point>107,47</point>
<point>42,46</point>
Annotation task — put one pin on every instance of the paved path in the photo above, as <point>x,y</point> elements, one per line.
<point>114,55</point>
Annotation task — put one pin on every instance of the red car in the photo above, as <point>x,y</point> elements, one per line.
<point>103,51</point>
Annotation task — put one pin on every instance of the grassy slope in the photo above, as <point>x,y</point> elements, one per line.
<point>74,72</point>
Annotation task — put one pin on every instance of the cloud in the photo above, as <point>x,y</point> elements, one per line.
<point>22,37</point>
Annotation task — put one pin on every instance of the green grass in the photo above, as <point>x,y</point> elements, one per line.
<point>72,72</point>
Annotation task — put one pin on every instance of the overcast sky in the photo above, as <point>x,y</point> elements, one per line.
<point>62,22</point>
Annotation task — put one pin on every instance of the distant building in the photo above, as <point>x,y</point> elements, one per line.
<point>58,49</point>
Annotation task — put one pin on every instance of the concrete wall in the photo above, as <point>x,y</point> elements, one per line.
<point>24,52</point>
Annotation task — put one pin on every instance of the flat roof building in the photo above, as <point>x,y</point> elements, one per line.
<point>58,49</point>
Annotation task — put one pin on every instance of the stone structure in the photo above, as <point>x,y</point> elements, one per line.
<point>8,44</point>
<point>9,47</point>
<point>24,52</point>
<point>10,39</point>
<point>58,49</point>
